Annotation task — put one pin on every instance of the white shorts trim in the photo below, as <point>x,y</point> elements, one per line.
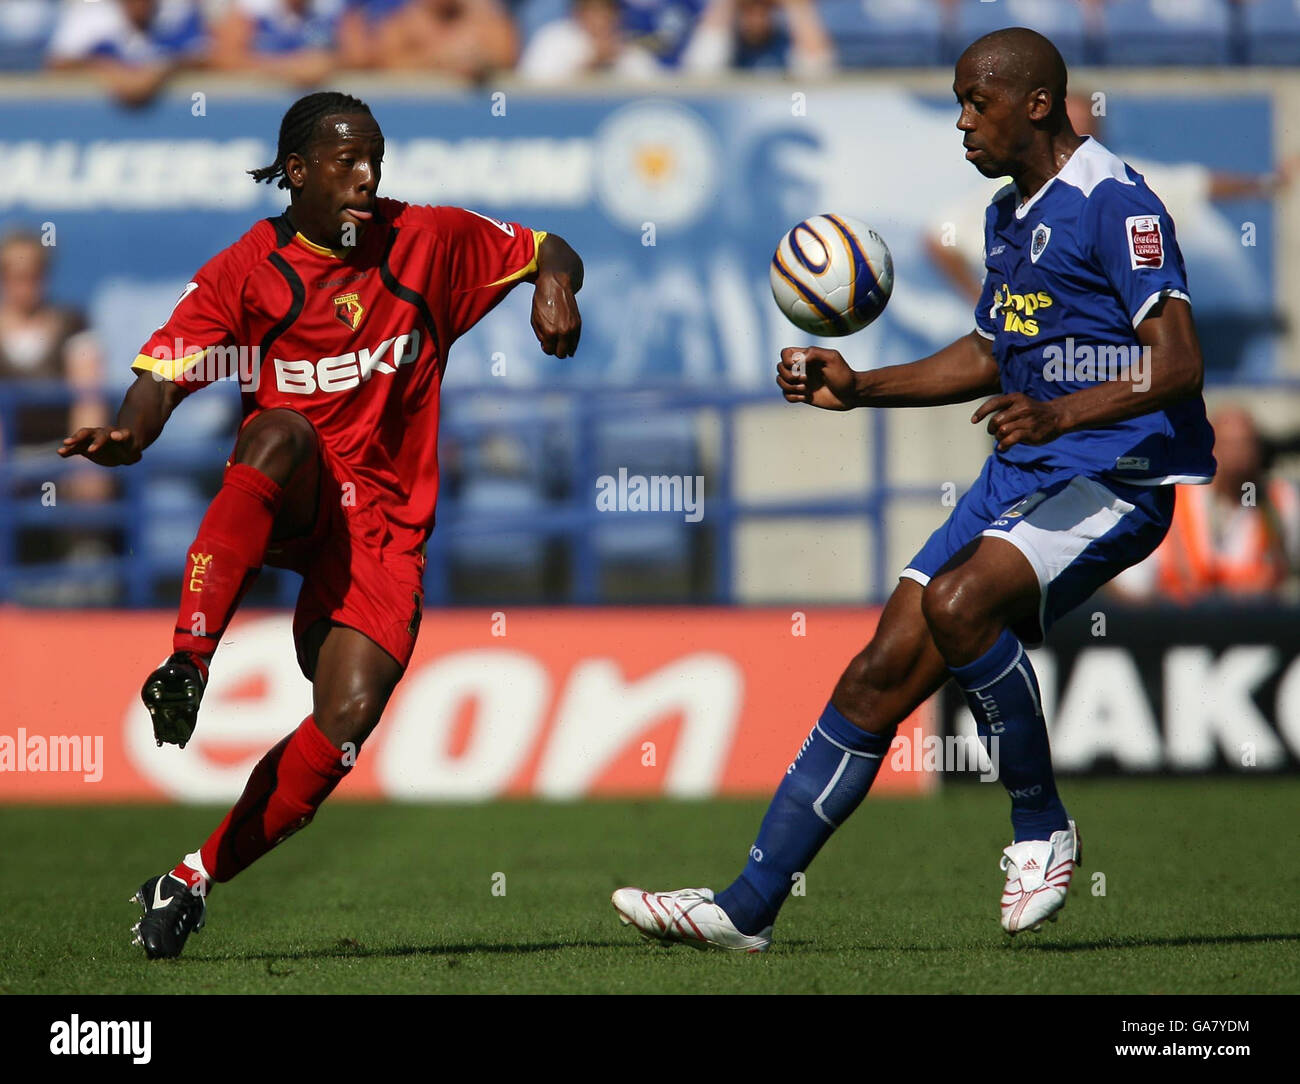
<point>1170,480</point>
<point>1056,531</point>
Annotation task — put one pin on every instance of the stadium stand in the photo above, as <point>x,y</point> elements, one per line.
<point>885,33</point>
<point>896,33</point>
<point>1270,31</point>
<point>1066,24</point>
<point>1151,32</point>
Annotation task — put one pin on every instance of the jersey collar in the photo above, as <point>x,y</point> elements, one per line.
<point>322,250</point>
<point>1065,172</point>
<point>286,234</point>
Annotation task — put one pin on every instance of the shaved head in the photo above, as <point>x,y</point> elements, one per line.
<point>1021,59</point>
<point>1011,88</point>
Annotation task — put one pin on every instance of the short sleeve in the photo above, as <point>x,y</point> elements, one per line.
<point>189,348</point>
<point>485,260</point>
<point>1134,244</point>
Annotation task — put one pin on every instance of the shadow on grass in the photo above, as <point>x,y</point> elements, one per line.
<point>1160,942</point>
<point>347,949</point>
<point>1030,943</point>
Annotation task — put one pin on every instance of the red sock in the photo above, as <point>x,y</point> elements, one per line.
<point>280,797</point>
<point>225,557</point>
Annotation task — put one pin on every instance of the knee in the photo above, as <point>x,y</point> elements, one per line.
<point>350,719</point>
<point>883,664</point>
<point>951,608</point>
<point>277,443</point>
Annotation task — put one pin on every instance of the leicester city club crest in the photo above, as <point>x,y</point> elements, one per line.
<point>1042,234</point>
<point>348,308</point>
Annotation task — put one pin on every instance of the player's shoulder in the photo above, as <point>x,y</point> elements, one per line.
<point>236,261</point>
<point>443,220</point>
<point>1103,181</point>
<point>424,217</point>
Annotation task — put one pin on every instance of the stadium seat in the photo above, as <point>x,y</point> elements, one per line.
<point>25,28</point>
<point>655,444</point>
<point>172,509</point>
<point>502,552</point>
<point>884,33</point>
<point>1142,33</point>
<point>1271,31</point>
<point>1064,21</point>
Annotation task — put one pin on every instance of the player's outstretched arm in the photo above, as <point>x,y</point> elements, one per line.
<point>961,371</point>
<point>1167,368</point>
<point>556,320</point>
<point>145,409</point>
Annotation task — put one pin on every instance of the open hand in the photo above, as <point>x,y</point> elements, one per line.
<point>109,446</point>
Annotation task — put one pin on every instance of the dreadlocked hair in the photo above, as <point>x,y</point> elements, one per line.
<point>299,126</point>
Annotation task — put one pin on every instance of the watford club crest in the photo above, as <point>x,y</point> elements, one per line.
<point>349,309</point>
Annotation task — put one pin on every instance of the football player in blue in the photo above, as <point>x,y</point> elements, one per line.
<point>1086,358</point>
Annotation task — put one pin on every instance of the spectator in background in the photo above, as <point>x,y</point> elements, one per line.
<point>661,27</point>
<point>751,35</point>
<point>43,344</point>
<point>296,40</point>
<point>463,39</point>
<point>133,45</point>
<point>358,32</point>
<point>591,40</point>
<point>1238,536</point>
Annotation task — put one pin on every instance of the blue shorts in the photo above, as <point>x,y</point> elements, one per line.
<point>1077,531</point>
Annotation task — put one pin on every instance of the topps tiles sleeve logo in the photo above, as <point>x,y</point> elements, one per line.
<point>1146,245</point>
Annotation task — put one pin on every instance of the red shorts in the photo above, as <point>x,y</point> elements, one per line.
<point>351,572</point>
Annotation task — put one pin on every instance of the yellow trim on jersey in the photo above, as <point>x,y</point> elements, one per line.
<point>538,237</point>
<point>322,250</point>
<point>167,368</point>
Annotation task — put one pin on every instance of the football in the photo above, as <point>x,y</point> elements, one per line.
<point>832,275</point>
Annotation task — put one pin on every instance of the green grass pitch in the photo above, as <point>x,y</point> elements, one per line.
<point>1200,896</point>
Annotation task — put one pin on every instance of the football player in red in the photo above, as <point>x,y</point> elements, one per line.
<point>336,317</point>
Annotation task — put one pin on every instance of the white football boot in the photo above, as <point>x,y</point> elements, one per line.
<point>688,915</point>
<point>1038,879</point>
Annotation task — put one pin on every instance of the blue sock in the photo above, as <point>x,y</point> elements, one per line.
<point>1002,691</point>
<point>830,776</point>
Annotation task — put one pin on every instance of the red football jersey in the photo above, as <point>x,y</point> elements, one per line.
<point>355,340</point>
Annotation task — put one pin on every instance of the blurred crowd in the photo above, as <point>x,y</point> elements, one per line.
<point>135,45</point>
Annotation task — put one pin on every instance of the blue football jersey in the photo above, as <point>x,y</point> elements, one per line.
<point>1068,277</point>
